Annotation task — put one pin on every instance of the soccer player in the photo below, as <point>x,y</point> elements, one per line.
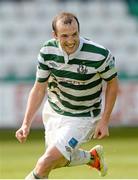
<point>71,71</point>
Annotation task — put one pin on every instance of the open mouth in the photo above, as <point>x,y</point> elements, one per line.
<point>70,46</point>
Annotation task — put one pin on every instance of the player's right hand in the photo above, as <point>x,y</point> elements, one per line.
<point>22,134</point>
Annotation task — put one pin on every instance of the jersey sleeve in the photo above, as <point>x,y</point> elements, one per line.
<point>108,69</point>
<point>43,71</point>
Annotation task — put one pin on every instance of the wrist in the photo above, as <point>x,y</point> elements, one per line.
<point>105,121</point>
<point>26,125</point>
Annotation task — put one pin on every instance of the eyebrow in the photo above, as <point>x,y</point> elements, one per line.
<point>71,34</point>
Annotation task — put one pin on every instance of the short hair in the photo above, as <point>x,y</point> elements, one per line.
<point>67,19</point>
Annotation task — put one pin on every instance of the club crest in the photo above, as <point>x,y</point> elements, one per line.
<point>82,69</point>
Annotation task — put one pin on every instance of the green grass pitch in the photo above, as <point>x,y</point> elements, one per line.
<point>121,152</point>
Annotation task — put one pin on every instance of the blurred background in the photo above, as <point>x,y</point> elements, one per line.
<point>24,26</point>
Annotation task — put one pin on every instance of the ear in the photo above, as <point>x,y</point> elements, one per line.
<point>54,34</point>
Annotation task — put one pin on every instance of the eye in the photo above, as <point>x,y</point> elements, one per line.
<point>64,35</point>
<point>75,34</point>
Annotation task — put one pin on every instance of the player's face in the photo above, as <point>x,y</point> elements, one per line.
<point>68,36</point>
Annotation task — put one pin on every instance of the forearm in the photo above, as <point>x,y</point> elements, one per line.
<point>110,98</point>
<point>35,99</point>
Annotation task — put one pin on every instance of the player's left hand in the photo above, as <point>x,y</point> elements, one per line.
<point>101,130</point>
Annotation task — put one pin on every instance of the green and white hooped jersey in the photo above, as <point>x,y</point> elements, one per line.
<point>75,81</point>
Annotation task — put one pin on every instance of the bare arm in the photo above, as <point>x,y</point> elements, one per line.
<point>35,99</point>
<point>110,98</point>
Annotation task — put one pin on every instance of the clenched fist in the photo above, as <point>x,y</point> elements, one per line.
<point>22,134</point>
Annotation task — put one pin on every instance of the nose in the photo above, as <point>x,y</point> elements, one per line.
<point>70,40</point>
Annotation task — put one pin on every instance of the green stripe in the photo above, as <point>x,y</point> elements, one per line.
<point>74,107</point>
<point>52,57</point>
<point>95,112</point>
<point>94,49</point>
<point>87,63</point>
<point>98,104</point>
<point>106,69</point>
<point>81,87</point>
<point>82,98</point>
<point>42,66</point>
<point>70,106</point>
<point>51,42</point>
<point>87,114</point>
<point>71,75</point>
<point>111,77</point>
<point>41,80</point>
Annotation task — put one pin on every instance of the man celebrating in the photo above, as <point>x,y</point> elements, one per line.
<point>71,71</point>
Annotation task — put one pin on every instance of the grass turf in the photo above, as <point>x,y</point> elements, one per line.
<point>121,152</point>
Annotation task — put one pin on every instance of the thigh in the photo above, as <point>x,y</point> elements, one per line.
<point>67,133</point>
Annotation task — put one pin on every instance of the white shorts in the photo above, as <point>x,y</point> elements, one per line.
<point>68,133</point>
